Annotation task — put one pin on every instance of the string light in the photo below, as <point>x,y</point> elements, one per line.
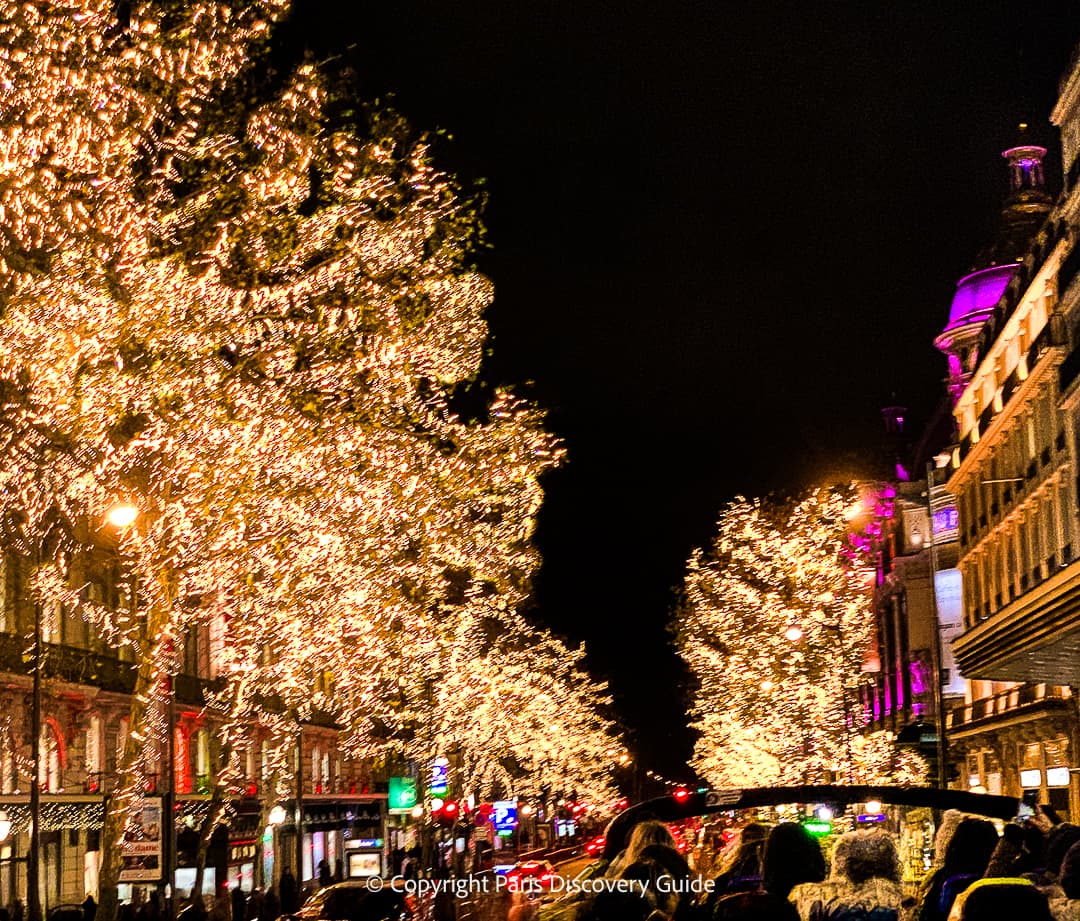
<point>772,706</point>
<point>257,325</point>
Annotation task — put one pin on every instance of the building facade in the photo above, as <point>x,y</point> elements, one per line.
<point>1014,477</point>
<point>85,701</point>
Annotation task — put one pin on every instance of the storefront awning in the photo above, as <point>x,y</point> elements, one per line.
<point>1035,638</point>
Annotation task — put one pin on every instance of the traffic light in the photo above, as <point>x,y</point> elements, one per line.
<point>681,795</point>
<point>448,813</point>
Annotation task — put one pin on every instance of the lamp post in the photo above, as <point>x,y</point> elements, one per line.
<point>122,516</point>
<point>33,856</point>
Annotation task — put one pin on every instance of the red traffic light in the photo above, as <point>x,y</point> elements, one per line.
<point>450,809</point>
<point>682,795</point>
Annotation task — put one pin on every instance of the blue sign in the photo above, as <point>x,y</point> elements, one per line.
<point>945,520</point>
<point>504,816</point>
<point>439,784</point>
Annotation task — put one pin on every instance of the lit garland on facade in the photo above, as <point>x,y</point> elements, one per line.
<point>251,324</point>
<point>774,624</point>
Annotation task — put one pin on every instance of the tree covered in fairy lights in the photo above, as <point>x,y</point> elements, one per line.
<point>774,624</point>
<point>249,309</point>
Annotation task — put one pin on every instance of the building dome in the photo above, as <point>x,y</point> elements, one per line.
<point>977,293</point>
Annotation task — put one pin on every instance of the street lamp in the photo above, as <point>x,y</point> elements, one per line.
<point>122,515</point>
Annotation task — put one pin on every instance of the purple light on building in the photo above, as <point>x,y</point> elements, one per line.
<point>977,293</point>
<point>918,678</point>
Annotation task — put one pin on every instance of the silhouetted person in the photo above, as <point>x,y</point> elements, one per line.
<point>238,904</point>
<point>89,908</point>
<point>288,894</point>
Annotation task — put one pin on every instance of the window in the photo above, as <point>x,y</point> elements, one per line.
<point>94,767</point>
<point>218,647</point>
<point>51,747</point>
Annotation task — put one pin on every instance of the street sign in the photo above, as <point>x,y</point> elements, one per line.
<point>439,784</point>
<point>504,816</point>
<point>402,795</point>
<point>140,848</point>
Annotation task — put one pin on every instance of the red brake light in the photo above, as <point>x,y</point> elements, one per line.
<point>682,795</point>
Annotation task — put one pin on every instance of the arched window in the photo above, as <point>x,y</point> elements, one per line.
<point>53,757</point>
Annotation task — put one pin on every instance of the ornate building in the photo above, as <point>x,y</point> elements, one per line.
<point>1014,479</point>
<point>85,700</point>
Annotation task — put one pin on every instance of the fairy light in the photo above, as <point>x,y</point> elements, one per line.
<point>254,322</point>
<point>773,624</point>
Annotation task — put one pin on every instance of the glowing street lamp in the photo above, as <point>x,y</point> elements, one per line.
<point>794,633</point>
<point>122,515</point>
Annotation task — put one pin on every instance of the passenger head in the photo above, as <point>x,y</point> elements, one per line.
<point>669,858</point>
<point>970,848</point>
<point>754,906</point>
<point>950,820</point>
<point>644,834</point>
<point>838,868</point>
<point>1061,838</point>
<point>1069,877</point>
<point>647,875</point>
<point>990,900</point>
<point>617,906</point>
<point>792,856</point>
<point>871,855</point>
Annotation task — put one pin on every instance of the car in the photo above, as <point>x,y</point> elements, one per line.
<point>353,900</point>
<point>594,847</point>
<point>531,874</point>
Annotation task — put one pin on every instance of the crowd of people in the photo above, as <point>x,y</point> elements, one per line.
<point>1030,872</point>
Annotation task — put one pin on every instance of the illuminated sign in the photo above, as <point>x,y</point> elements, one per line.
<point>945,520</point>
<point>1029,779</point>
<point>504,817</point>
<point>439,784</point>
<point>818,828</point>
<point>402,795</point>
<point>1057,777</point>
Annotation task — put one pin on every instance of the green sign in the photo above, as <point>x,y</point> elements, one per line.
<point>402,797</point>
<point>818,828</point>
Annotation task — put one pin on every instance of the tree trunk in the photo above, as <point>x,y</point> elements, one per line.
<point>117,812</point>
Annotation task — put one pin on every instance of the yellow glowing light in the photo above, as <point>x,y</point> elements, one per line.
<point>873,806</point>
<point>122,515</point>
<point>794,633</point>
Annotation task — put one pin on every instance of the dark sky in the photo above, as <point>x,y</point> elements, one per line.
<point>724,235</point>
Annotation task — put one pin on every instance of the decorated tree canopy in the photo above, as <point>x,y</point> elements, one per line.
<point>774,622</point>
<point>248,310</point>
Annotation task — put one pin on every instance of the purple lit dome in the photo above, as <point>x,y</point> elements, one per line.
<point>977,293</point>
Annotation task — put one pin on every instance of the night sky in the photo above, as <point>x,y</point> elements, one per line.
<point>724,235</point>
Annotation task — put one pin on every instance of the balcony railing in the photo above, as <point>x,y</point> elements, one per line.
<point>1024,696</point>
